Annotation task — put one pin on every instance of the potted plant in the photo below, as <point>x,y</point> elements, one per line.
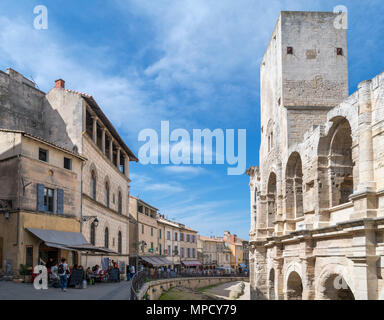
<point>25,272</point>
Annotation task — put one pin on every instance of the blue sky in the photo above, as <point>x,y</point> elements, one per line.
<point>194,63</point>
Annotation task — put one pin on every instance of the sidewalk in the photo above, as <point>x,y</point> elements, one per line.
<point>10,290</point>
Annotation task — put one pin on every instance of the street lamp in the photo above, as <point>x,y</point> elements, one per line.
<point>95,220</point>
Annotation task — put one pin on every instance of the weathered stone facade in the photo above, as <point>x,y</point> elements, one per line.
<point>317,198</point>
<point>105,176</point>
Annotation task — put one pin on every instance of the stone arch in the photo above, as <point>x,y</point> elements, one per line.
<point>119,241</point>
<point>119,201</point>
<point>107,191</point>
<point>271,285</point>
<point>335,164</point>
<point>293,284</point>
<point>294,187</point>
<point>106,236</point>
<point>93,181</point>
<point>340,164</point>
<point>271,202</point>
<point>334,283</point>
<point>92,233</point>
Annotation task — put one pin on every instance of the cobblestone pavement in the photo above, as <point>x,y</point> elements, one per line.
<point>10,290</point>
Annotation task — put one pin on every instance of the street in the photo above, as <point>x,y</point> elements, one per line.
<point>10,290</point>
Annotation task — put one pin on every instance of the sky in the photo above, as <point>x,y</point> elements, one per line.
<point>194,63</point>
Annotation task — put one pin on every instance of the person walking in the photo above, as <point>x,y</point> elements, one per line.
<point>132,271</point>
<point>62,271</point>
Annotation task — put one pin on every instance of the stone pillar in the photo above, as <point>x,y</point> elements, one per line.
<point>94,131</point>
<point>365,203</point>
<point>308,264</point>
<point>118,158</point>
<point>253,204</point>
<point>111,149</point>
<point>260,291</point>
<point>126,166</point>
<point>279,278</point>
<point>103,133</point>
<point>366,169</point>
<point>364,259</point>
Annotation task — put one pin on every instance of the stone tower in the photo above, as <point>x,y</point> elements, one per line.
<point>304,73</point>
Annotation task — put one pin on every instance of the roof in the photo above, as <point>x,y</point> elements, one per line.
<point>95,107</point>
<point>188,229</point>
<point>39,139</point>
<point>204,238</point>
<point>173,224</point>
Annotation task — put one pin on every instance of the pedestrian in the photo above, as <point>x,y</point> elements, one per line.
<point>62,271</point>
<point>132,271</point>
<point>128,272</point>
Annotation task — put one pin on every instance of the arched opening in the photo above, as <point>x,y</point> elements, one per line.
<point>336,288</point>
<point>107,194</point>
<point>272,207</point>
<point>93,233</point>
<point>294,187</point>
<point>340,164</point>
<point>93,185</point>
<point>119,243</point>
<point>120,203</point>
<point>294,286</point>
<point>106,238</point>
<point>271,284</point>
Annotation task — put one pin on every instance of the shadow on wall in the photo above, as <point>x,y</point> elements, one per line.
<point>24,107</point>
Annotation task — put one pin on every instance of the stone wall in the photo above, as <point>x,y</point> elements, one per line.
<point>154,289</point>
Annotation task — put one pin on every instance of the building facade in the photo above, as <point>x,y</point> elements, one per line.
<point>317,198</point>
<point>171,241</point>
<point>145,234</point>
<point>40,196</point>
<point>236,247</point>
<point>105,187</point>
<point>188,247</point>
<point>212,252</point>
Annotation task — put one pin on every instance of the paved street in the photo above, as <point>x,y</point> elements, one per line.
<point>101,291</point>
<point>223,290</point>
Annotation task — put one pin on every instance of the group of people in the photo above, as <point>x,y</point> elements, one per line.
<point>60,274</point>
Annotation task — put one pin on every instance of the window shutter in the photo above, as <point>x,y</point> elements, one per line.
<point>60,201</point>
<point>40,197</point>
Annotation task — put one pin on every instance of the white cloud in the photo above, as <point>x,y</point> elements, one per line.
<point>143,184</point>
<point>184,170</point>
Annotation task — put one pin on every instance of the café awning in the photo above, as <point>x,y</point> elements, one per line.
<point>66,240</point>
<point>191,263</point>
<point>156,261</point>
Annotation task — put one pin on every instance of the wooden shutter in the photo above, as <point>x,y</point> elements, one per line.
<point>60,201</point>
<point>40,197</point>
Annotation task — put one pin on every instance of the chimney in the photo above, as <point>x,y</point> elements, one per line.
<point>60,84</point>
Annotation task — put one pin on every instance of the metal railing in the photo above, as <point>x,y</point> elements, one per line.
<point>148,275</point>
